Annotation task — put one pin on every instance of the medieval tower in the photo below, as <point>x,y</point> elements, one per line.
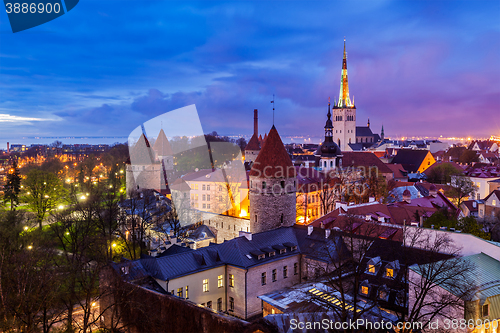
<point>273,185</point>
<point>344,112</point>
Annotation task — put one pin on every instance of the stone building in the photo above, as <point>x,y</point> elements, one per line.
<point>229,277</point>
<point>273,186</point>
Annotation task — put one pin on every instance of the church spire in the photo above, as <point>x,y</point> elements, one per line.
<point>344,100</point>
<point>329,124</point>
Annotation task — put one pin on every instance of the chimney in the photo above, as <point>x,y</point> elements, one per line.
<point>327,233</point>
<point>421,224</point>
<point>248,235</point>
<point>309,229</point>
<point>8,148</point>
<point>256,122</point>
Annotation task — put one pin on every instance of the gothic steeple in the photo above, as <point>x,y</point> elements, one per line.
<point>328,125</point>
<point>344,100</point>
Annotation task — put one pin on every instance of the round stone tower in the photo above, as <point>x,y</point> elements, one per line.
<point>273,186</point>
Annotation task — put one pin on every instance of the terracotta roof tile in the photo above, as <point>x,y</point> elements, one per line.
<point>273,161</point>
<point>253,144</point>
<point>365,159</point>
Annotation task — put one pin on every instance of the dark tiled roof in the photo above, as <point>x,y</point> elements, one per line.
<point>241,252</point>
<point>365,159</point>
<point>253,144</point>
<point>411,159</point>
<point>174,249</point>
<point>363,131</point>
<point>273,161</point>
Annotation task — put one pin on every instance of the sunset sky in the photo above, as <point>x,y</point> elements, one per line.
<point>420,68</point>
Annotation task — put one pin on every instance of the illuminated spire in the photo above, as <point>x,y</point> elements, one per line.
<point>344,100</point>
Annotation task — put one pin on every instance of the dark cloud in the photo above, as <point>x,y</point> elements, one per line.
<point>420,68</point>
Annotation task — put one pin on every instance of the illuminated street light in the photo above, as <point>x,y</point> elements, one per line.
<point>26,228</point>
<point>30,247</point>
<point>83,197</point>
<point>61,207</point>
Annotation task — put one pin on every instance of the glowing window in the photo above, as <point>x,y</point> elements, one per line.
<point>205,285</point>
<point>231,280</point>
<point>364,290</point>
<point>220,283</point>
<point>389,272</point>
<point>371,269</point>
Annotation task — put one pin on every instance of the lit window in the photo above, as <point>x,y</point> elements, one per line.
<point>382,294</point>
<point>285,272</point>
<point>274,275</point>
<point>263,278</point>
<point>272,311</point>
<point>371,269</point>
<point>220,284</point>
<point>389,272</point>
<point>205,285</point>
<point>494,202</point>
<point>187,295</point>
<point>179,292</point>
<point>231,280</point>
<point>195,186</point>
<point>364,290</point>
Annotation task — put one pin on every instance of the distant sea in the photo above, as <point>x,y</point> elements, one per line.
<point>70,140</point>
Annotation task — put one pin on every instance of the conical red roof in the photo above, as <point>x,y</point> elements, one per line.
<point>162,146</point>
<point>273,160</point>
<point>253,144</point>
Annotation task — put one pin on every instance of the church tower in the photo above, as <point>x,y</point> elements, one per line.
<point>344,112</point>
<point>328,156</point>
<point>273,186</point>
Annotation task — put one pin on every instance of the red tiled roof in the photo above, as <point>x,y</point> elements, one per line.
<point>397,169</point>
<point>253,144</point>
<point>365,159</point>
<point>273,161</point>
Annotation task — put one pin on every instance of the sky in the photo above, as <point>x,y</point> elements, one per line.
<point>419,68</point>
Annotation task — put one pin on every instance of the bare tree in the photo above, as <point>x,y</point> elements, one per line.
<point>442,269</point>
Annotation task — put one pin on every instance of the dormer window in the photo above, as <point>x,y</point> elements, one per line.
<point>373,265</point>
<point>271,254</point>
<point>282,251</point>
<point>364,290</point>
<point>261,256</point>
<point>383,293</point>
<point>391,269</point>
<point>293,248</point>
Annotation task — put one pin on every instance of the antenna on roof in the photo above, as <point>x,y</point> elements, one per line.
<point>273,108</point>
